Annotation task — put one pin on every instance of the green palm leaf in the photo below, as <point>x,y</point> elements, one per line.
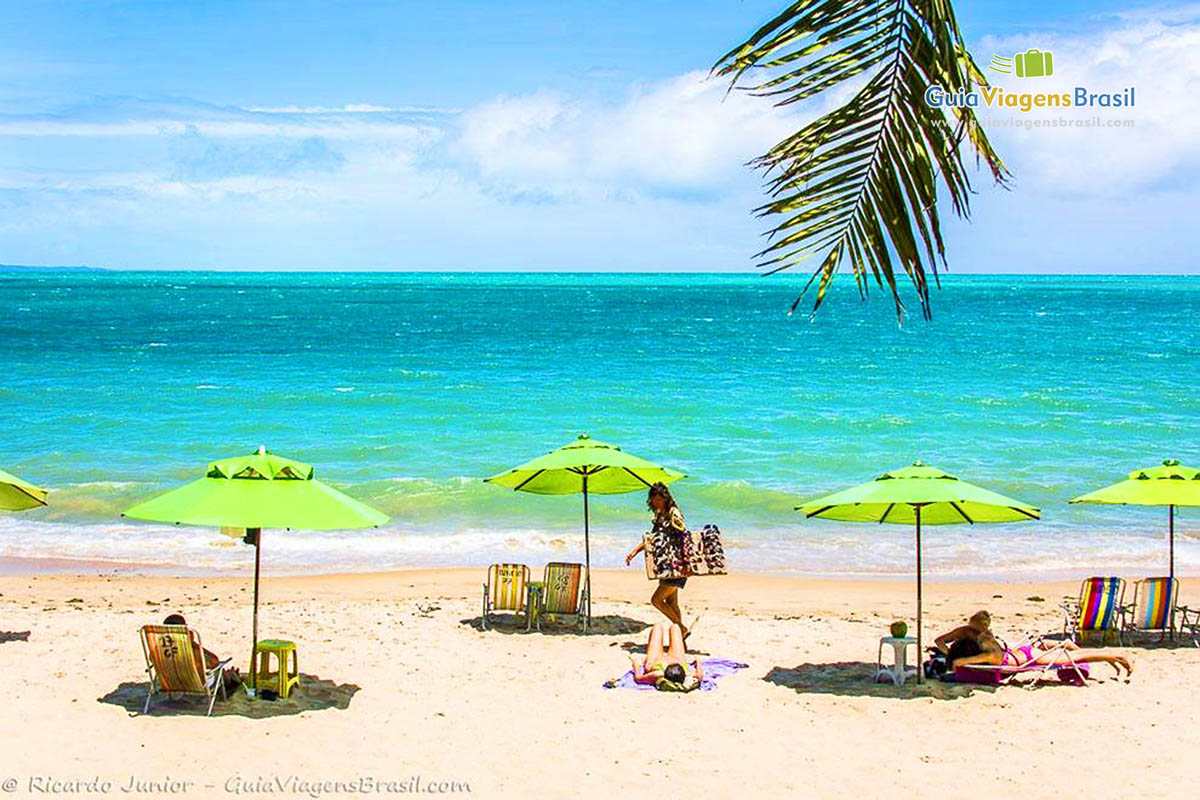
<point>860,185</point>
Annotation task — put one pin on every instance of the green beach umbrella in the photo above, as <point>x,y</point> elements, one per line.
<point>915,496</point>
<point>585,466</point>
<point>258,491</point>
<point>1170,485</point>
<point>19,495</point>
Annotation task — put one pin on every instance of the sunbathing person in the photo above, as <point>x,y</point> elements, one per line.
<point>992,652</point>
<point>666,666</point>
<point>207,657</point>
<point>973,639</point>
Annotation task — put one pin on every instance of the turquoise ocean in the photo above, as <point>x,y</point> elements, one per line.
<point>406,389</point>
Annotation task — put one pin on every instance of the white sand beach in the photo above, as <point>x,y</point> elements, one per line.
<point>410,688</point>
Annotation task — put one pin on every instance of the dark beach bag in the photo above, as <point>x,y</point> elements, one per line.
<point>713,549</point>
<point>671,554</point>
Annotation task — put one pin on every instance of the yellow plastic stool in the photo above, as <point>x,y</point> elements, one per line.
<point>285,678</point>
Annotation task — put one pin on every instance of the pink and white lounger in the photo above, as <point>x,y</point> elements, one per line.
<point>989,675</point>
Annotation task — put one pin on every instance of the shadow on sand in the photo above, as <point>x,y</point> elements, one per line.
<point>1153,641</point>
<point>14,636</point>
<point>313,694</point>
<point>608,625</point>
<point>853,678</point>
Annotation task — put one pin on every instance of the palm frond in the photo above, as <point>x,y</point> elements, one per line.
<point>860,185</point>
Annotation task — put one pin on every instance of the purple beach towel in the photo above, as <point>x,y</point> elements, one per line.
<point>713,668</point>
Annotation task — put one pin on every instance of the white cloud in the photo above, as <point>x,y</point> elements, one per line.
<point>1153,53</point>
<point>680,135</point>
<point>351,108</point>
<point>680,138</point>
<point>329,129</point>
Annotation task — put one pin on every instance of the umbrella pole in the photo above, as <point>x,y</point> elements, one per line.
<point>1171,573</point>
<point>587,553</point>
<point>920,669</point>
<point>254,644</point>
<point>1171,529</point>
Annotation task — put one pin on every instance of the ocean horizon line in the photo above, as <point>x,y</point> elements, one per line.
<point>730,273</point>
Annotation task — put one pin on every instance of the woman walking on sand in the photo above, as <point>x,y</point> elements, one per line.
<point>669,519</point>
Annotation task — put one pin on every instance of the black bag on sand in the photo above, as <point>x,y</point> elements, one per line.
<point>940,664</point>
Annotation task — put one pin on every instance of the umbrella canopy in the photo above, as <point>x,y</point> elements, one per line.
<point>896,497</point>
<point>604,468</point>
<point>919,495</point>
<point>1170,485</point>
<point>19,495</point>
<point>585,466</point>
<point>261,490</point>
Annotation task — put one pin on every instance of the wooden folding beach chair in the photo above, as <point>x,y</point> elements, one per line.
<point>1155,609</point>
<point>175,664</point>
<point>564,593</point>
<point>1097,611</point>
<point>504,590</point>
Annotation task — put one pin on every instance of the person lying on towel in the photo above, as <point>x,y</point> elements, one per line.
<point>666,666</point>
<point>977,635</point>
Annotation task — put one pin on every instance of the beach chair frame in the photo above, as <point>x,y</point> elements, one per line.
<point>514,600</point>
<point>1188,619</point>
<point>1041,672</point>
<point>187,676</point>
<point>574,573</point>
<point>1074,609</point>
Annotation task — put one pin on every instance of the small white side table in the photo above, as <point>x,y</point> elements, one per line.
<point>899,672</point>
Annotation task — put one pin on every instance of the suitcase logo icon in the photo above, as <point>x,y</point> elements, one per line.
<point>1033,63</point>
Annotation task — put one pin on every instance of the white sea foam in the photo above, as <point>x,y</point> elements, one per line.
<point>854,552</point>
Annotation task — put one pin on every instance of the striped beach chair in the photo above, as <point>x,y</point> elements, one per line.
<point>564,592</point>
<point>1098,611</point>
<point>1153,602</point>
<point>504,590</point>
<point>1156,609</point>
<point>175,664</point>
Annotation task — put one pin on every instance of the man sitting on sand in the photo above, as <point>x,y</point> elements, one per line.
<point>210,659</point>
<point>978,632</point>
<point>666,666</point>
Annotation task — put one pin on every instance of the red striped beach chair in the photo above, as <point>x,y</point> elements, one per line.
<point>175,664</point>
<point>564,592</point>
<point>1098,611</point>
<point>1150,611</point>
<point>504,590</point>
<point>1156,609</point>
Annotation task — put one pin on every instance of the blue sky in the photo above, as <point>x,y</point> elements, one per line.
<point>522,135</point>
